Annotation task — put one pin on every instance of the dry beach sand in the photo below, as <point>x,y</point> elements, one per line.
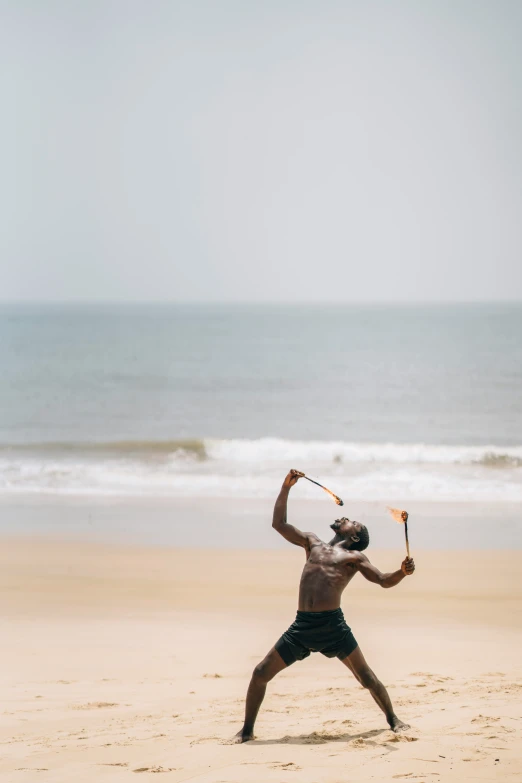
<point>123,661</point>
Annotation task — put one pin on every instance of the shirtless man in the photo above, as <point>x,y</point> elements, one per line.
<point>320,625</point>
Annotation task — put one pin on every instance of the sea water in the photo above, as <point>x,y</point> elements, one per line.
<point>378,402</point>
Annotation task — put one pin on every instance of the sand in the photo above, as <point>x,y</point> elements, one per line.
<point>245,522</point>
<point>126,660</point>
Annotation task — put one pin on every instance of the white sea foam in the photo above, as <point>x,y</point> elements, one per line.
<point>255,468</point>
<point>270,449</point>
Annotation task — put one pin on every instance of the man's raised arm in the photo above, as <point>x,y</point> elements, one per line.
<point>372,574</point>
<point>279,522</point>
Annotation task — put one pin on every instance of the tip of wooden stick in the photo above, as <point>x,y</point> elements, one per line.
<point>397,515</point>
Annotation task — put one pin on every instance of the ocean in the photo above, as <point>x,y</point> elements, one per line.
<point>379,402</point>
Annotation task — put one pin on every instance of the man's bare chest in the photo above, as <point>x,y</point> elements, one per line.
<point>327,557</point>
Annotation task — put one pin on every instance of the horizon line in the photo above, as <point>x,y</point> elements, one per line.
<point>247,302</point>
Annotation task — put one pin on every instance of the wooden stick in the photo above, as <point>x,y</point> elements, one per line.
<point>407,542</point>
<point>329,491</point>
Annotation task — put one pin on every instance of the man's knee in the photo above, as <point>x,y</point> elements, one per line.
<point>367,678</point>
<point>262,673</point>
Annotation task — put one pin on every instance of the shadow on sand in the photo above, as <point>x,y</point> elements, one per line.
<point>321,737</point>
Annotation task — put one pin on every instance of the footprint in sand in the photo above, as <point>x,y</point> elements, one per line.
<point>491,723</point>
<point>430,674</point>
<point>289,766</point>
<point>402,738</point>
<point>94,705</point>
<point>200,740</point>
<point>155,769</point>
<point>484,719</point>
<point>476,755</point>
<point>431,679</point>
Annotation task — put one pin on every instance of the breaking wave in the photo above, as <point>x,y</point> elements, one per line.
<point>268,449</point>
<point>279,450</point>
<point>188,447</point>
<point>255,468</point>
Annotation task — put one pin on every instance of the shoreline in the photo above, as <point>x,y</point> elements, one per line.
<point>246,523</point>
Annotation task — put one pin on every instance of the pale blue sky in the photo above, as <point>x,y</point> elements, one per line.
<point>241,150</point>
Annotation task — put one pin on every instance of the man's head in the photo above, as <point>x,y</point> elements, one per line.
<point>355,534</point>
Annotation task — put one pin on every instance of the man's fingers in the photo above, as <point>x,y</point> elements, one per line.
<point>292,477</point>
<point>408,566</point>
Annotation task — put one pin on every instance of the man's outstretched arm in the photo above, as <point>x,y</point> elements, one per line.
<point>372,574</point>
<point>279,522</point>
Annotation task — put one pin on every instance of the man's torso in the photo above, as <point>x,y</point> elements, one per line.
<point>327,571</point>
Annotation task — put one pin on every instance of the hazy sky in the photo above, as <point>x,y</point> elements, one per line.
<point>261,150</point>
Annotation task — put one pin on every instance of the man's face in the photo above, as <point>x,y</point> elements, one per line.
<point>346,528</point>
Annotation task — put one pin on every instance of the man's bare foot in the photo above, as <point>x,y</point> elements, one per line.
<point>397,725</point>
<point>242,736</point>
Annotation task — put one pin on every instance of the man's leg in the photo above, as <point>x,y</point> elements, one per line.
<point>362,672</point>
<point>262,674</point>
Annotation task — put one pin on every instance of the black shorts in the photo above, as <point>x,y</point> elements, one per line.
<point>324,632</point>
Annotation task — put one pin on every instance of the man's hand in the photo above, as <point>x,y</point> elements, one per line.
<point>292,478</point>
<point>408,566</point>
